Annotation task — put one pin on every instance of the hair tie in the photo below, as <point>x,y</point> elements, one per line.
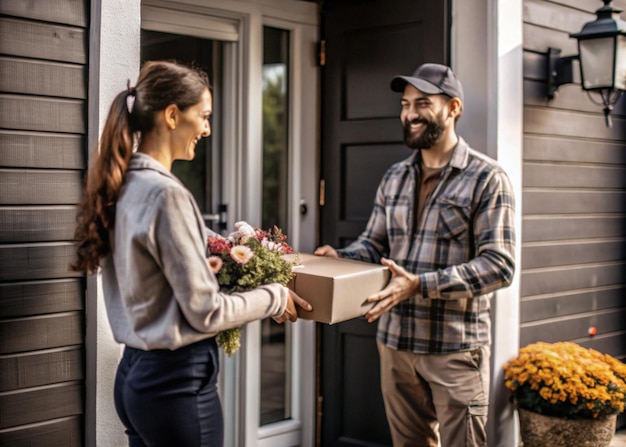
<point>131,93</point>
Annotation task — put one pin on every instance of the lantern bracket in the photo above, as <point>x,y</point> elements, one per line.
<point>560,70</point>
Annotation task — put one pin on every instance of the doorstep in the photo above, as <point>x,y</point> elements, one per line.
<point>619,440</point>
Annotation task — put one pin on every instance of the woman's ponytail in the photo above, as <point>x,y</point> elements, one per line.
<point>96,211</point>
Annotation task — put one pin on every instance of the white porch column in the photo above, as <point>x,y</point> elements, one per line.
<point>114,53</point>
<point>487,55</point>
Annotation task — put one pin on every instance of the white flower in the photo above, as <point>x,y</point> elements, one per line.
<point>271,245</point>
<point>241,254</point>
<point>243,232</point>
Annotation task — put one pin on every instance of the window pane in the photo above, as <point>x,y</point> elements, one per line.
<point>275,360</point>
<point>189,50</point>
<point>275,128</point>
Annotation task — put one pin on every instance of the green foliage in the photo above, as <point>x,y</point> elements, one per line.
<point>248,259</point>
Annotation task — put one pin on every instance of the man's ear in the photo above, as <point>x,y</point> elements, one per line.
<point>456,107</point>
<point>171,116</point>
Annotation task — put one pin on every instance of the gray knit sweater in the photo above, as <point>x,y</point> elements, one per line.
<point>158,288</point>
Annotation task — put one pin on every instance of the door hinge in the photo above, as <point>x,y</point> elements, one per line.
<point>318,420</point>
<point>321,53</point>
<point>322,192</point>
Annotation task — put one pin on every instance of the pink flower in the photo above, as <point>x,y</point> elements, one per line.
<point>241,254</point>
<point>215,263</point>
<point>218,245</point>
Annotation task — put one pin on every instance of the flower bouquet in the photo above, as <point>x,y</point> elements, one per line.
<point>248,258</point>
<point>566,380</point>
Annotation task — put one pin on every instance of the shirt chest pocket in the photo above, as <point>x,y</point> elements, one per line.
<point>454,219</point>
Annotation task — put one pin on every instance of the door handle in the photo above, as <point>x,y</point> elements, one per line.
<point>304,209</point>
<point>220,218</point>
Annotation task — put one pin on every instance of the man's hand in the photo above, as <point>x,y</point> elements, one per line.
<point>326,250</point>
<point>291,312</point>
<point>401,287</point>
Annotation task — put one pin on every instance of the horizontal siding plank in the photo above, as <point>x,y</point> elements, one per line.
<point>40,404</point>
<point>37,224</point>
<point>553,148</point>
<point>576,327</point>
<point>613,344</point>
<point>41,368</point>
<point>563,253</point>
<point>569,97</point>
<point>536,69</point>
<point>42,78</point>
<point>555,280</point>
<point>539,39</point>
<point>29,39</point>
<point>572,124</point>
<point>561,175</point>
<point>555,16</point>
<point>42,114</point>
<point>66,432</point>
<point>41,297</point>
<point>586,5</point>
<point>69,12</point>
<point>21,262</point>
<point>544,201</point>
<point>554,228</point>
<point>30,187</point>
<point>37,333</point>
<point>42,150</point>
<point>568,303</point>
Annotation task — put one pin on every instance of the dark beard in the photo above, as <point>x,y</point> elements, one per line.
<point>429,136</point>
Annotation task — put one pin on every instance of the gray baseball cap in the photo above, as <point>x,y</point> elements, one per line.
<point>432,79</point>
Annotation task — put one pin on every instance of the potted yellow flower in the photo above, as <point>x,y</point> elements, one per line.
<point>566,395</point>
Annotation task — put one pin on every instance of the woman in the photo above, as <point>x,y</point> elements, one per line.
<point>144,229</point>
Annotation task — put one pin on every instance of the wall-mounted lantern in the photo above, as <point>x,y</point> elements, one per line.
<point>602,57</point>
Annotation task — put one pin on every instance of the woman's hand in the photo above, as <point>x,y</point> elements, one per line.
<point>401,287</point>
<point>291,311</point>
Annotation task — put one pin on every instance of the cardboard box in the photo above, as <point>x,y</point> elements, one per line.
<point>336,288</point>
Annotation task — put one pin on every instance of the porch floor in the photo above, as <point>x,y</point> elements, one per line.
<point>620,439</point>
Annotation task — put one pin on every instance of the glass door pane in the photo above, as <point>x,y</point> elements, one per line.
<point>199,175</point>
<point>275,338</point>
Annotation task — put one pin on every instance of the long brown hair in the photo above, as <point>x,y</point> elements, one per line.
<point>160,84</point>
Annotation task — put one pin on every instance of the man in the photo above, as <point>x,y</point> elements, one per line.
<point>443,224</point>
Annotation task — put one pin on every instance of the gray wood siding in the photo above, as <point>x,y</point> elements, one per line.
<point>43,94</point>
<point>573,266</point>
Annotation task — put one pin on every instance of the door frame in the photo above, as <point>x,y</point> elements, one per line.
<point>115,51</point>
<point>240,25</point>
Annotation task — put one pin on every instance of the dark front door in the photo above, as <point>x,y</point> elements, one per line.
<point>367,43</point>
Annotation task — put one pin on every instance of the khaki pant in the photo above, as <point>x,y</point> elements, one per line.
<point>427,396</point>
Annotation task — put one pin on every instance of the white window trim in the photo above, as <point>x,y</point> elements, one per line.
<point>490,64</point>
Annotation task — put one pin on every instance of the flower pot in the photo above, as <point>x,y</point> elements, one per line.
<point>538,430</point>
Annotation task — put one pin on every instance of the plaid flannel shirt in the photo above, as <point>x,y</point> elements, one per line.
<point>462,248</point>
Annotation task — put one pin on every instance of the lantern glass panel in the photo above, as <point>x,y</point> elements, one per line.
<point>620,63</point>
<point>596,61</point>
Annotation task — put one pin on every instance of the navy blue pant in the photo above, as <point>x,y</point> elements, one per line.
<point>169,398</point>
